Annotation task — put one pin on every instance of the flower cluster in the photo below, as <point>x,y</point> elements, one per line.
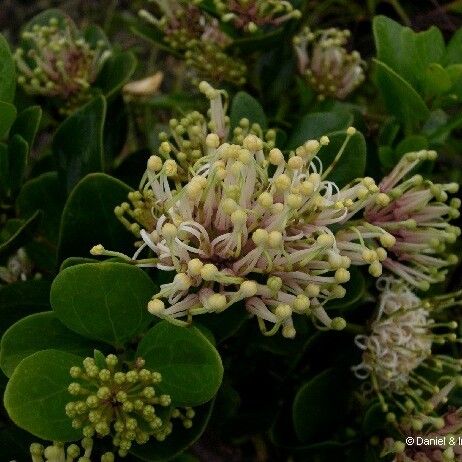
<point>252,15</point>
<point>125,403</point>
<point>326,64</point>
<point>18,268</point>
<point>198,38</point>
<point>410,218</point>
<point>243,224</point>
<point>58,453</point>
<point>398,354</point>
<point>57,61</point>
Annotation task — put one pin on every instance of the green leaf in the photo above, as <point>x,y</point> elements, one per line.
<point>316,124</point>
<point>436,80</point>
<point>454,49</point>
<point>22,234</point>
<point>27,123</point>
<point>88,218</point>
<point>153,35</point>
<point>4,169</point>
<point>116,72</point>
<point>400,98</point>
<point>18,151</point>
<point>191,367</point>
<point>180,439</point>
<point>105,301</point>
<point>352,162</point>
<point>73,261</point>
<point>226,324</point>
<point>78,143</point>
<point>406,52</point>
<point>44,193</point>
<point>246,106</point>
<point>7,116</point>
<point>36,395</point>
<point>320,405</point>
<point>25,338</point>
<point>7,72</point>
<point>21,299</point>
<point>374,419</point>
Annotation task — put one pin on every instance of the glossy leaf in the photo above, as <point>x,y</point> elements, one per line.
<point>7,72</point>
<point>23,233</point>
<point>191,367</point>
<point>317,124</point>
<point>105,301</point>
<point>78,143</point>
<point>400,98</point>
<point>320,405</point>
<point>36,395</point>
<point>88,218</point>
<point>246,106</point>
<point>351,163</point>
<point>27,123</point>
<point>20,299</point>
<point>7,116</point>
<point>116,72</point>
<point>25,337</point>
<point>18,151</point>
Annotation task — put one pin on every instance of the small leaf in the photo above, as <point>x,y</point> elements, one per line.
<point>246,106</point>
<point>454,49</point>
<point>18,151</point>
<point>400,98</point>
<point>437,81</point>
<point>7,116</point>
<point>78,143</point>
<point>88,218</point>
<point>317,124</point>
<point>36,395</point>
<point>104,301</point>
<point>21,299</point>
<point>7,72</point>
<point>116,72</point>
<point>180,439</point>
<point>320,405</point>
<point>352,162</point>
<point>22,234</point>
<point>25,337</point>
<point>27,123</point>
<point>191,367</point>
<point>45,193</point>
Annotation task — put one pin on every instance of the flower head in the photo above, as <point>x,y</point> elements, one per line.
<point>242,223</point>
<point>400,350</point>
<point>57,452</point>
<point>253,15</point>
<point>326,64</point>
<point>58,62</point>
<point>123,403</point>
<point>198,37</point>
<point>410,218</point>
<point>18,268</point>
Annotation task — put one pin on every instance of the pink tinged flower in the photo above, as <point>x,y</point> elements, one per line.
<point>326,64</point>
<point>411,220</point>
<point>244,224</point>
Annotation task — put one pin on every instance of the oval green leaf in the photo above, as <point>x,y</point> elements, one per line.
<point>36,395</point>
<point>191,367</point>
<point>27,336</point>
<point>105,301</point>
<point>246,106</point>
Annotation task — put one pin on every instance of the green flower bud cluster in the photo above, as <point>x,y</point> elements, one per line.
<point>56,61</point>
<point>252,15</point>
<point>58,453</point>
<point>198,38</point>
<point>124,404</point>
